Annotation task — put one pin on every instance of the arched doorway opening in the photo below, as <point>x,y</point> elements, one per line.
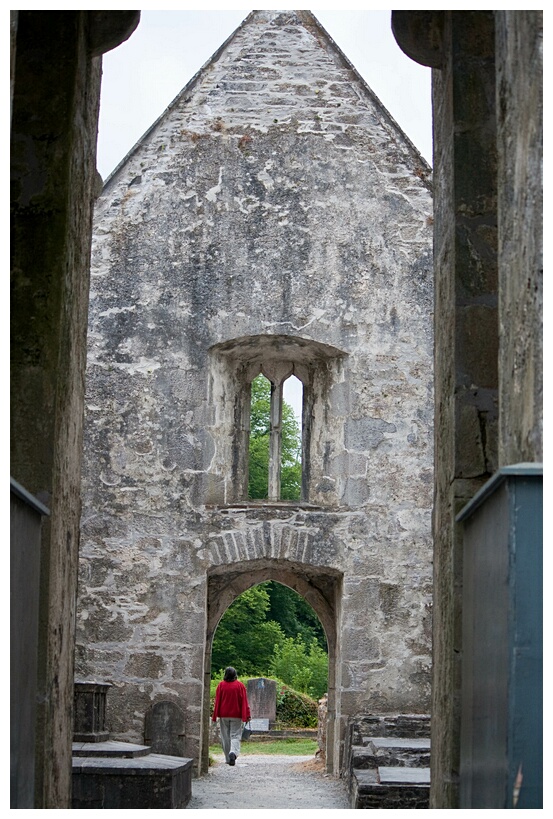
<point>270,630</point>
<point>320,587</point>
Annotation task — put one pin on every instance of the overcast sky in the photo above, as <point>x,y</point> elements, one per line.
<point>142,76</point>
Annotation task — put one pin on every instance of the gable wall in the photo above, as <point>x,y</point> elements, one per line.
<point>275,198</point>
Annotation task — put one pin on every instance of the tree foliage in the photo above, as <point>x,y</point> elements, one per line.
<point>260,427</point>
<point>304,668</point>
<point>245,638</point>
<point>270,630</point>
<point>294,614</point>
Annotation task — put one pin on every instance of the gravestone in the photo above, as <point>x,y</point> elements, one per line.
<point>262,700</point>
<point>164,728</point>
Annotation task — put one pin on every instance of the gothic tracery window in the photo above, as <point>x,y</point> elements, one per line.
<point>234,366</point>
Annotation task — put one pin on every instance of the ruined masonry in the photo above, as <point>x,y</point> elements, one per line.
<point>274,219</point>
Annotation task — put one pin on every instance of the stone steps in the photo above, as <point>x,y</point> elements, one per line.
<point>383,751</point>
<point>390,788</point>
<point>389,772</point>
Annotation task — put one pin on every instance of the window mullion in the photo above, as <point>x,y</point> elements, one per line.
<point>275,442</point>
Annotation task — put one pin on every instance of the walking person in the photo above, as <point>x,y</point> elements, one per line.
<point>233,710</point>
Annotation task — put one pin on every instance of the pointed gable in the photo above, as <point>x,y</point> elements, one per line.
<point>275,176</point>
<point>280,69</point>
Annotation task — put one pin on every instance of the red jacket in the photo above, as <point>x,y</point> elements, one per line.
<point>231,701</point>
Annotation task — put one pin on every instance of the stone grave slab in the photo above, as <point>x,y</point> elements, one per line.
<point>152,781</point>
<point>110,748</point>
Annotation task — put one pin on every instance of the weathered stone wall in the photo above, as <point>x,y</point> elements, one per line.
<point>275,212</point>
<point>55,97</point>
<point>465,248</point>
<point>519,42</point>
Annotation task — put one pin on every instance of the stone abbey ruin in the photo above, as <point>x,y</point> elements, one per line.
<point>274,220</point>
<point>218,255</point>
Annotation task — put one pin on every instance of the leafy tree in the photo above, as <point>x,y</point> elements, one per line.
<point>294,614</point>
<point>295,708</point>
<point>245,638</point>
<point>290,478</point>
<point>305,668</point>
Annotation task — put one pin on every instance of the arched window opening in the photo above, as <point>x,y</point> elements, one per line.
<point>275,442</point>
<point>292,436</point>
<point>260,435</point>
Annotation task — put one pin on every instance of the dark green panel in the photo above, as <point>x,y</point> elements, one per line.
<point>502,689</point>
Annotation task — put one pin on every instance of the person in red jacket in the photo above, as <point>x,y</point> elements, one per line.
<point>233,710</point>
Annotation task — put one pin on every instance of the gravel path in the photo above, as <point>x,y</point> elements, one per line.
<point>268,782</point>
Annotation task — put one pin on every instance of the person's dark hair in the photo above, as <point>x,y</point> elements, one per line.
<point>230,674</point>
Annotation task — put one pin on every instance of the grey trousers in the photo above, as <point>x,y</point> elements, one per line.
<point>231,734</point>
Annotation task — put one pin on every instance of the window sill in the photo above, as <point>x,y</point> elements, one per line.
<point>264,504</point>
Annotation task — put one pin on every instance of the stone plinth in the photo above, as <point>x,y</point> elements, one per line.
<point>90,712</point>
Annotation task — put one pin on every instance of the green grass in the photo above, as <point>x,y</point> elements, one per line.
<point>282,747</point>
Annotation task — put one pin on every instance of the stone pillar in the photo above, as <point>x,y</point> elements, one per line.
<point>56,92</point>
<point>275,442</point>
<point>277,373</point>
<point>466,339</point>
<point>53,153</point>
<point>519,36</point>
<point>461,49</point>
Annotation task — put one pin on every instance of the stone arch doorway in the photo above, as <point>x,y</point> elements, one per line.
<point>320,587</point>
